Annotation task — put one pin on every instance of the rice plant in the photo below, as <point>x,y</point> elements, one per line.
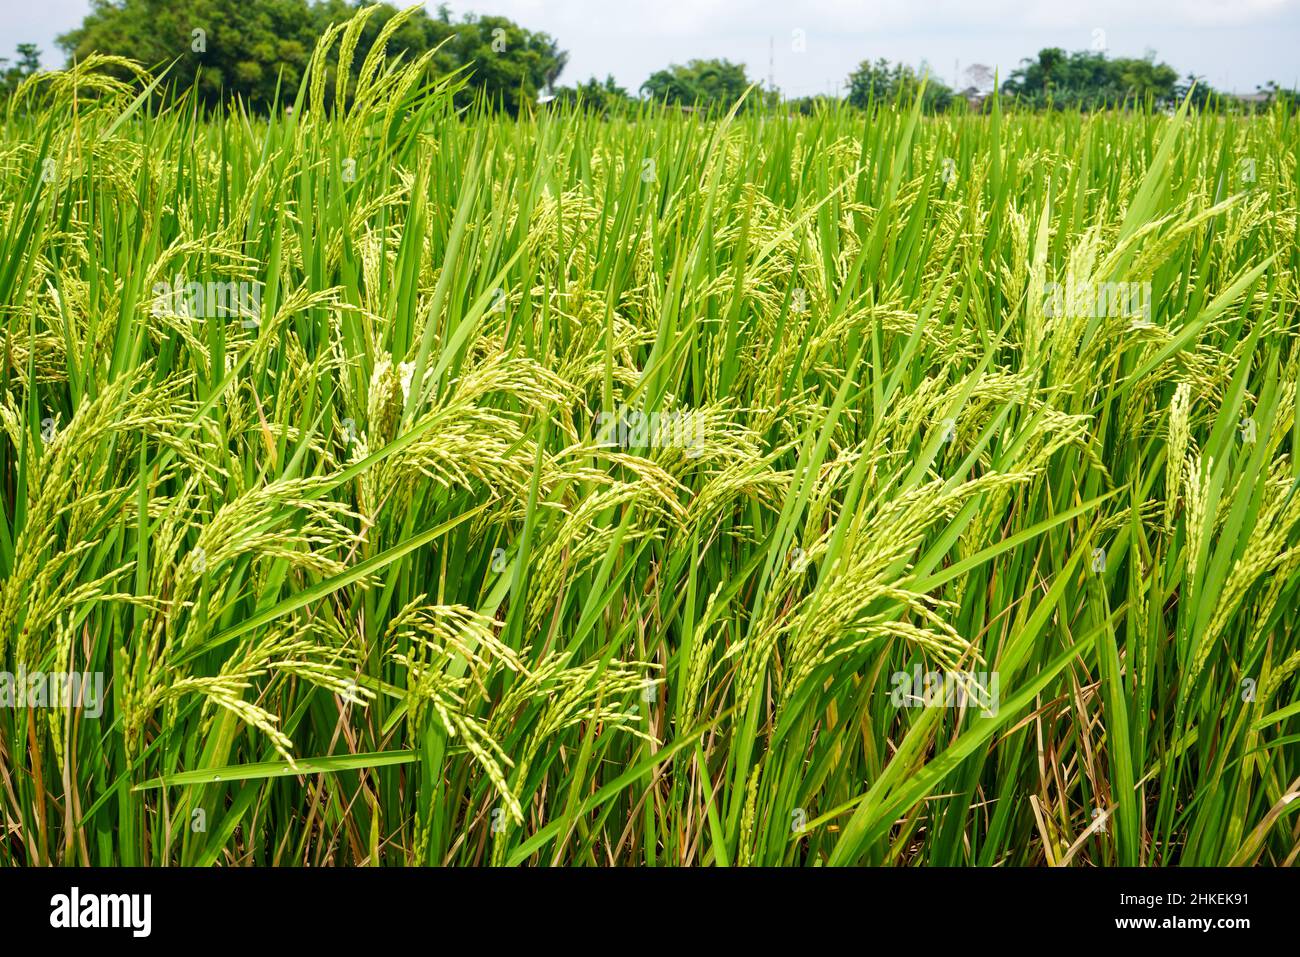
<point>435,487</point>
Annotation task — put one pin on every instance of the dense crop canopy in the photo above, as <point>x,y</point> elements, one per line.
<point>437,487</point>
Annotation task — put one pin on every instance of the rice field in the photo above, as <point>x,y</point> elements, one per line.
<point>398,486</point>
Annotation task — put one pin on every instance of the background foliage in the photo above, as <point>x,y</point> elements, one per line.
<point>249,46</point>
<point>252,46</point>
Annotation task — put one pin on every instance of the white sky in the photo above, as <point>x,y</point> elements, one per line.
<point>1235,44</point>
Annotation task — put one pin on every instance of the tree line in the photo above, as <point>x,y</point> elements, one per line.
<point>255,50</point>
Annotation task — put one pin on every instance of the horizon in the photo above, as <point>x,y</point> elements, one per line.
<point>1234,46</point>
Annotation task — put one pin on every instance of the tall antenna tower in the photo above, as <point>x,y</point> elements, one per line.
<point>771,63</point>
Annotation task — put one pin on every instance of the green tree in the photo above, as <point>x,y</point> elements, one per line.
<point>702,83</point>
<point>241,48</point>
<point>228,47</point>
<point>595,95</point>
<point>1090,80</point>
<point>508,64</point>
<point>1203,95</point>
<point>29,61</point>
<point>810,105</point>
<point>882,82</point>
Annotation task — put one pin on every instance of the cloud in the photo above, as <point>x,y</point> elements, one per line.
<point>679,18</point>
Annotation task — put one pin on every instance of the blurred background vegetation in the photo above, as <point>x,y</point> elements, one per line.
<point>244,50</point>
